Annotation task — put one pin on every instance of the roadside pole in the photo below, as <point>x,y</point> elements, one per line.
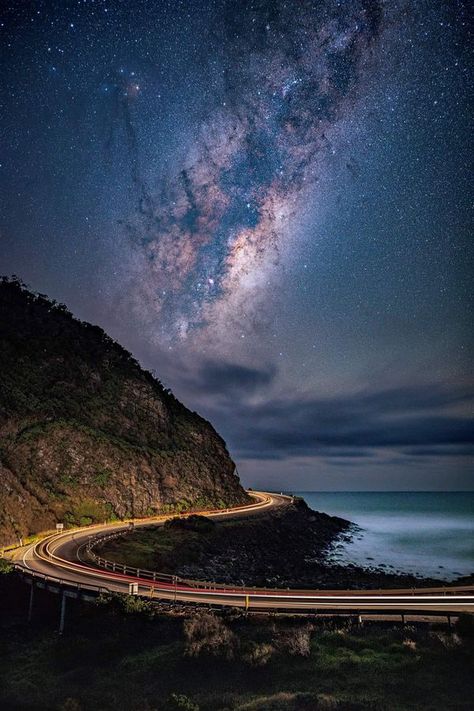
<point>30,605</point>
<point>62,618</point>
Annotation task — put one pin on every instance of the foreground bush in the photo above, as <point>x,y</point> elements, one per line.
<point>207,633</point>
<point>259,654</point>
<point>295,641</point>
<point>465,626</point>
<point>181,702</point>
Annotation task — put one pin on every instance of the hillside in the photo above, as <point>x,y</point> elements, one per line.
<point>86,434</point>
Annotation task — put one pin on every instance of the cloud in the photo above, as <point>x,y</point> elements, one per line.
<point>224,378</point>
<point>440,450</point>
<point>423,420</point>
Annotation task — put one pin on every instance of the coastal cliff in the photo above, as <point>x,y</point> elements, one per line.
<point>86,434</point>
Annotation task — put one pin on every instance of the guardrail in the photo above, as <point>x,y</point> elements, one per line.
<point>28,572</point>
<point>67,588</point>
<point>121,567</point>
<point>168,578</point>
<point>143,573</point>
<point>153,575</point>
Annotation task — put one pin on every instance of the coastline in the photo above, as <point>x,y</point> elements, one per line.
<point>427,534</point>
<point>294,547</point>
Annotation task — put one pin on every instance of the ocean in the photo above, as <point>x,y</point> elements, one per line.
<point>429,533</point>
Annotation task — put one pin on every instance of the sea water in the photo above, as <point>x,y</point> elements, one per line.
<point>429,533</point>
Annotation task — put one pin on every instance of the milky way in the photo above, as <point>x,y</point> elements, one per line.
<point>290,72</point>
<point>269,204</point>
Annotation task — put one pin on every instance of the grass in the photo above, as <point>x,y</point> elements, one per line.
<point>160,548</point>
<point>83,416</point>
<point>117,656</point>
<point>166,548</point>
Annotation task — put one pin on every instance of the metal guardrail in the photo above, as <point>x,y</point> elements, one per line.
<point>153,575</point>
<point>143,573</point>
<point>168,578</point>
<point>78,590</point>
<point>98,589</point>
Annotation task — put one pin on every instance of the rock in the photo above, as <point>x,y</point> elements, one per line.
<point>289,547</point>
<point>86,434</point>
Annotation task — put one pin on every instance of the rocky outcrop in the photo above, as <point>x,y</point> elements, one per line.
<point>290,546</point>
<point>86,434</point>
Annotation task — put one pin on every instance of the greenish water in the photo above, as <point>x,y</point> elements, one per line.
<point>430,533</point>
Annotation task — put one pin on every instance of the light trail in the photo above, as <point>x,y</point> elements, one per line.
<point>59,557</point>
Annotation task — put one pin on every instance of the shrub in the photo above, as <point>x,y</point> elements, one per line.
<point>446,639</point>
<point>327,702</point>
<point>206,633</point>
<point>465,626</point>
<point>70,704</point>
<point>118,604</point>
<point>5,566</point>
<point>85,512</point>
<point>198,524</point>
<point>68,481</point>
<point>295,641</point>
<point>259,654</point>
<point>181,702</point>
<point>102,477</point>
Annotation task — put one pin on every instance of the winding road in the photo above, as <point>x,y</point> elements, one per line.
<point>66,561</point>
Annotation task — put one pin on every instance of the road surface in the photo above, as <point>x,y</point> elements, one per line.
<point>64,559</point>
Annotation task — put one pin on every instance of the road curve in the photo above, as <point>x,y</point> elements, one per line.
<point>61,558</point>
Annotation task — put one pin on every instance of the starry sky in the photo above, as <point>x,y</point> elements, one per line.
<point>269,203</point>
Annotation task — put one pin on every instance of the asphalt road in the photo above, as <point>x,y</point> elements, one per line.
<point>64,557</point>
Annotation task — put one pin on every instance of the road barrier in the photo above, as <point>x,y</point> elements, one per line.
<point>156,576</point>
<point>121,567</point>
<point>172,588</point>
<point>51,582</point>
<point>143,573</point>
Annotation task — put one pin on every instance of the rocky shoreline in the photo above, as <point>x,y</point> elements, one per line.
<point>287,547</point>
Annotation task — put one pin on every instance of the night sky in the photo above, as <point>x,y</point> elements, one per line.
<point>269,204</point>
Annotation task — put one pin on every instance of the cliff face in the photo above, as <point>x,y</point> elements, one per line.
<point>86,434</point>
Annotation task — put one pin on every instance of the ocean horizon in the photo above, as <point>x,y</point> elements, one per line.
<point>430,533</point>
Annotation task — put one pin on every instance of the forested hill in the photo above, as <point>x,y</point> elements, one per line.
<point>86,434</point>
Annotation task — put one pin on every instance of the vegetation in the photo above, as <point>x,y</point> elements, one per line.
<point>181,702</point>
<point>81,421</point>
<point>123,654</point>
<point>5,566</point>
<point>282,548</point>
<point>162,548</point>
<point>206,633</point>
<point>194,524</point>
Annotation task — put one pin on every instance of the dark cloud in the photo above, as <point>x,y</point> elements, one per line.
<point>423,419</point>
<point>442,450</point>
<point>222,378</point>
